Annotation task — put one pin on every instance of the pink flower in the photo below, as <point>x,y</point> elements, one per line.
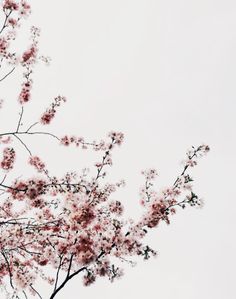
<point>47,117</point>
<point>10,4</point>
<point>3,46</point>
<point>116,207</point>
<point>65,140</point>
<point>29,55</point>
<point>117,137</point>
<point>69,222</point>
<point>24,9</point>
<point>49,114</point>
<point>25,94</point>
<point>13,22</point>
<point>8,158</point>
<point>37,163</point>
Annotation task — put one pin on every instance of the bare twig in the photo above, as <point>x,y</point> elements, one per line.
<point>19,122</point>
<point>36,291</point>
<point>9,73</point>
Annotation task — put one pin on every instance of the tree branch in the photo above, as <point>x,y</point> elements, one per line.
<point>65,281</point>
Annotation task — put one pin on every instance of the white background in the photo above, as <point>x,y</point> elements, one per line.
<point>164,73</point>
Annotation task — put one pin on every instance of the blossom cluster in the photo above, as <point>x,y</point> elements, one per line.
<point>77,224</point>
<point>28,60</point>
<point>22,7</point>
<point>14,12</point>
<point>8,160</point>
<point>37,163</point>
<point>49,114</point>
<point>102,145</point>
<point>71,224</point>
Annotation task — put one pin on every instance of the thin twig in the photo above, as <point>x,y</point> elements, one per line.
<point>30,127</point>
<point>58,271</point>
<point>25,146</point>
<point>36,291</point>
<point>9,269</point>
<point>5,21</point>
<point>11,71</point>
<point>19,122</point>
<point>65,281</point>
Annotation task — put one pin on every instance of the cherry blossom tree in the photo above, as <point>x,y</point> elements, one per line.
<point>70,224</point>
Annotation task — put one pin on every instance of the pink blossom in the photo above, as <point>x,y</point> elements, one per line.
<point>49,114</point>
<point>47,117</point>
<point>116,207</point>
<point>117,137</point>
<point>70,223</point>
<point>25,94</point>
<point>24,9</point>
<point>37,163</point>
<point>13,22</point>
<point>10,4</point>
<point>5,139</point>
<point>8,158</point>
<point>29,55</point>
<point>3,46</point>
<point>65,140</point>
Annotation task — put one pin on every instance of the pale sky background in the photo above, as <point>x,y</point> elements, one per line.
<point>164,73</point>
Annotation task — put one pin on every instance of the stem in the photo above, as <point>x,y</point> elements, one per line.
<point>19,122</point>
<point>58,271</point>
<point>36,292</point>
<point>68,277</point>
<point>29,133</point>
<point>9,269</point>
<point>5,21</point>
<point>9,73</point>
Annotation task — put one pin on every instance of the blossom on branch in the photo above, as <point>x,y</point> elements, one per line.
<point>49,114</point>
<point>71,224</point>
<point>8,160</point>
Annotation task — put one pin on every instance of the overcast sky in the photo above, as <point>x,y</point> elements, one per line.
<point>164,73</point>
